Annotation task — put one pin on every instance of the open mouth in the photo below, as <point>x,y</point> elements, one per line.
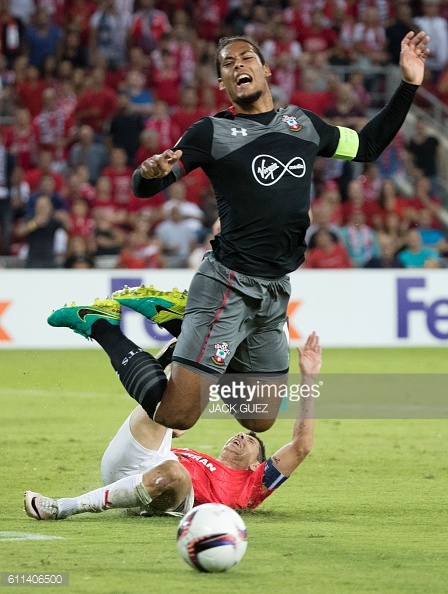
<point>243,80</point>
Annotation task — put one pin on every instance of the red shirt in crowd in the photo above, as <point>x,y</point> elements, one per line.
<point>337,257</point>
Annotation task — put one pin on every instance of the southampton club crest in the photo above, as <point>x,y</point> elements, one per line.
<point>293,124</point>
<point>222,350</point>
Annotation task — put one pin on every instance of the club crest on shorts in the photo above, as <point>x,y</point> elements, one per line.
<point>222,350</point>
<point>293,124</point>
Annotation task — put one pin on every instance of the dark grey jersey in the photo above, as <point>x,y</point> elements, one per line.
<point>261,169</point>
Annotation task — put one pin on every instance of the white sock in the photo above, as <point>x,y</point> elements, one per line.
<point>126,492</point>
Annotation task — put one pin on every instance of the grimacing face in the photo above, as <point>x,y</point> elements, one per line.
<point>242,447</point>
<point>243,75</point>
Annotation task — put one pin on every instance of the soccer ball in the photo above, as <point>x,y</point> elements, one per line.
<point>212,538</point>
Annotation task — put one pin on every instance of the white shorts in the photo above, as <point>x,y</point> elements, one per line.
<point>125,456</point>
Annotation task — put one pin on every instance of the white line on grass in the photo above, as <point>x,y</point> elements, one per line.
<point>4,536</point>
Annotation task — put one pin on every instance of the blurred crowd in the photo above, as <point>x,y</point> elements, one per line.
<point>89,89</point>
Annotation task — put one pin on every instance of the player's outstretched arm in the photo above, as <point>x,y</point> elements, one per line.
<point>288,458</point>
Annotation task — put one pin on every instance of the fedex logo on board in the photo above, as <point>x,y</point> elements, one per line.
<point>410,303</point>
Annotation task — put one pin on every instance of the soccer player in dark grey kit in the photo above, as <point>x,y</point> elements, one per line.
<point>260,163</point>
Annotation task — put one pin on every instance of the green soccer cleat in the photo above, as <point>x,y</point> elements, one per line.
<point>157,306</point>
<point>80,318</point>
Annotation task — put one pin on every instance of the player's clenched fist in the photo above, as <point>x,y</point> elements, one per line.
<point>159,165</point>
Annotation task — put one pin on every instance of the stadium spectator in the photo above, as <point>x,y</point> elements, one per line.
<point>166,79</point>
<point>279,41</point>
<point>371,182</point>
<point>86,151</point>
<point>359,239</point>
<point>71,48</point>
<point>188,111</point>
<point>125,129</point>
<point>258,27</point>
<point>318,37</point>
<point>44,167</point>
<point>327,252</point>
<point>436,27</point>
<point>40,231</point>
<point>79,251</point>
<point>19,193</point>
<point>53,130</point>
<point>369,37</point>
<point>191,213</point>
<point>108,34</point>
<point>109,238</point>
<point>322,219</point>
<point>345,111</point>
<point>20,139</point>
<point>310,95</point>
<point>103,203</point>
<point>81,222</point>
<point>12,33</point>
<point>156,478</point>
<point>147,26</point>
<point>400,25</point>
<point>29,90</point>
<point>97,103</point>
<point>239,17</point>
<point>43,38</point>
<point>356,202</point>
<point>391,162</point>
<point>6,208</point>
<point>46,187</point>
<point>140,248</point>
<point>177,239</point>
<point>23,10</point>
<point>140,98</point>
<point>431,236</point>
<point>387,257</point>
<point>168,132</point>
<point>209,16</point>
<point>120,175</point>
<point>427,153</point>
<point>149,145</point>
<point>415,255</point>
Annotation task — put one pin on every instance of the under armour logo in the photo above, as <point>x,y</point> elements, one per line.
<point>268,170</point>
<point>236,131</point>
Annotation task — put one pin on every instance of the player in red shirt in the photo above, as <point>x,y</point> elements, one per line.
<point>143,473</point>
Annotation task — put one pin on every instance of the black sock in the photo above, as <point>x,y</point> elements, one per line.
<point>173,327</point>
<point>140,373</point>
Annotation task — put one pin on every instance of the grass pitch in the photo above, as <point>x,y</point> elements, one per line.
<point>366,512</point>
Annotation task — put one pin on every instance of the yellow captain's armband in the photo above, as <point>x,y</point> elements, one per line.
<point>348,144</point>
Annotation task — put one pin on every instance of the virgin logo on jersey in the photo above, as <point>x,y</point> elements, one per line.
<point>268,170</point>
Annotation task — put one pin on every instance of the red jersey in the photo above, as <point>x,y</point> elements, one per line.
<point>213,482</point>
<point>22,145</point>
<point>121,184</point>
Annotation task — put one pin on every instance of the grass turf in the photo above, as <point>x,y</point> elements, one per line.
<point>365,513</point>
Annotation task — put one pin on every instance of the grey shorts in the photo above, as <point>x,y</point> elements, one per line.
<point>234,317</point>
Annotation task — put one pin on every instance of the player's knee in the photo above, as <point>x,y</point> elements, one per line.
<point>171,476</point>
<point>257,425</point>
<point>174,420</point>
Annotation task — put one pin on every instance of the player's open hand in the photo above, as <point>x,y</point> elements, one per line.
<point>159,165</point>
<point>310,356</point>
<point>412,57</point>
